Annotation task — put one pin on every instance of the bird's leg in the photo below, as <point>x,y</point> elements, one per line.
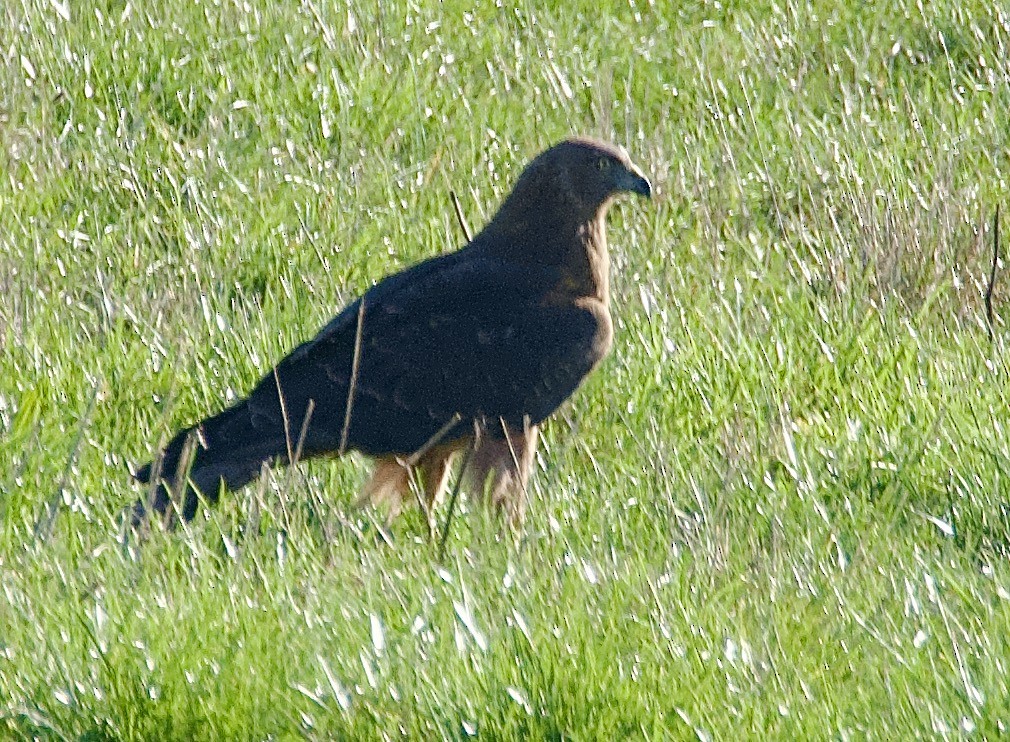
<point>508,462</point>
<point>521,460</point>
<point>426,481</point>
<point>389,484</point>
<point>393,480</point>
<point>435,474</point>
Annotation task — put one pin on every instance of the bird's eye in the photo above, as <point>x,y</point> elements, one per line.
<point>602,164</point>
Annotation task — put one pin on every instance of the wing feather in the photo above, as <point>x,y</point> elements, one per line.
<point>461,334</point>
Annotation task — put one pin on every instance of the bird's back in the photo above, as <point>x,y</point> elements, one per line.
<point>465,334</point>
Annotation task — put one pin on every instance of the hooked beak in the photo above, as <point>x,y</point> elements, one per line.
<point>633,180</point>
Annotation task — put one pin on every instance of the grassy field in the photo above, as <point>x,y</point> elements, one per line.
<point>781,509</point>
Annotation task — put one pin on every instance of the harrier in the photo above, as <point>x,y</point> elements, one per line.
<point>468,351</point>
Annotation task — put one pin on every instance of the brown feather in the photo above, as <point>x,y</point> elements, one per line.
<point>497,334</point>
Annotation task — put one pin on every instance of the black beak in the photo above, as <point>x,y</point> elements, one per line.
<point>634,181</point>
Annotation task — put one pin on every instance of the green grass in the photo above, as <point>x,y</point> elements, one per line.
<point>780,509</point>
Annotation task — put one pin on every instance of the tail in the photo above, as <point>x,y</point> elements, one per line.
<point>228,449</point>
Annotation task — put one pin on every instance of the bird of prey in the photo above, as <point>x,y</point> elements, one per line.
<point>468,351</point>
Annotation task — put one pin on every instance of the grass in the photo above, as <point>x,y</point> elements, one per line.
<point>780,509</point>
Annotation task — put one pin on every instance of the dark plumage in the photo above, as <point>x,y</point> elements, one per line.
<point>500,332</point>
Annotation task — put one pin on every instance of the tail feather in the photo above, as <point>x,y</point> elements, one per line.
<point>227,450</point>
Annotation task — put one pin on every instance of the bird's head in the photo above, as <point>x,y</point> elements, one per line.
<point>593,172</point>
<point>572,183</point>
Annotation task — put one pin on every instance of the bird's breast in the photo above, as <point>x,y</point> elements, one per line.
<point>603,333</point>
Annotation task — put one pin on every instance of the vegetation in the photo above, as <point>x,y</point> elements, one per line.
<point>780,509</point>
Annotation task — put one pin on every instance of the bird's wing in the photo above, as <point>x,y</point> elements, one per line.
<point>463,334</point>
